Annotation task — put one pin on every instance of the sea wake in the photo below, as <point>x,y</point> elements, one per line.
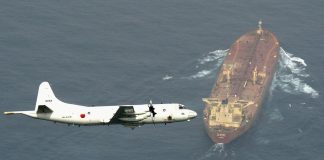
<point>215,58</point>
<point>218,149</point>
<point>291,74</point>
<point>217,55</point>
<point>167,77</point>
<point>206,65</point>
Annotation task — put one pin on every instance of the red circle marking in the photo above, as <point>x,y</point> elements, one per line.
<point>82,115</point>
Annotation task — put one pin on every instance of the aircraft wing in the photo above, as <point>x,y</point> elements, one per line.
<point>128,114</point>
<point>122,112</point>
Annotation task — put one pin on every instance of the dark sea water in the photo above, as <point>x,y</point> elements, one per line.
<point>128,52</point>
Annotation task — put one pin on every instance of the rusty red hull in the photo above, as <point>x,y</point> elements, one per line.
<point>252,59</point>
<point>225,137</point>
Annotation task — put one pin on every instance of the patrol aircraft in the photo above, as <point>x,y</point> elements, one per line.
<point>48,107</point>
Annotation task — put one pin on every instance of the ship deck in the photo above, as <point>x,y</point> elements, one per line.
<point>241,84</point>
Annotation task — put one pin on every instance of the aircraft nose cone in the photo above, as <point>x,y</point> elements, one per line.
<point>192,114</point>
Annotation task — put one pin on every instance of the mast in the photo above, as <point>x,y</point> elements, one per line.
<point>259,31</point>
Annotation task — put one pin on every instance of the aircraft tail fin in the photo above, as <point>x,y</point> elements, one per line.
<point>45,102</point>
<point>45,98</point>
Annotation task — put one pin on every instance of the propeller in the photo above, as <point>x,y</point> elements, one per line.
<point>151,109</point>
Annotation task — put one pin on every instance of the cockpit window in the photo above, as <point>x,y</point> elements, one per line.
<point>181,106</point>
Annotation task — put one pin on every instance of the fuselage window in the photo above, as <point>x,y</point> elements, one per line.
<point>164,110</point>
<point>181,107</point>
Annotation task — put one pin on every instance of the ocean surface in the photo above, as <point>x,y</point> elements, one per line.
<point>127,52</point>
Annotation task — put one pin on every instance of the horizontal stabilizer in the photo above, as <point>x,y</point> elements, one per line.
<point>9,113</point>
<point>28,113</point>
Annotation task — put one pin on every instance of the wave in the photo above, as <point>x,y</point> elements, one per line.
<point>167,77</point>
<point>217,57</point>
<point>291,74</point>
<point>200,74</point>
<point>218,148</point>
<point>276,115</point>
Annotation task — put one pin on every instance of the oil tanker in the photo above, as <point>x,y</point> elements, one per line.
<point>241,85</point>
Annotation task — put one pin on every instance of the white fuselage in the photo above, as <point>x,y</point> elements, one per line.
<point>75,114</point>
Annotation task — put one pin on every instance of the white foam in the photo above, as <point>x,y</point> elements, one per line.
<point>200,74</point>
<point>213,56</point>
<point>167,77</point>
<point>276,115</point>
<point>295,64</point>
<point>216,56</point>
<point>291,74</point>
<point>213,150</point>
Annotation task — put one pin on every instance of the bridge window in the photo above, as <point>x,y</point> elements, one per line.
<point>225,101</point>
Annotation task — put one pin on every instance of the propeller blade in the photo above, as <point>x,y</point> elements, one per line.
<point>151,108</point>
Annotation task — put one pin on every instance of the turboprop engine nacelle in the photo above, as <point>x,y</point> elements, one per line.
<point>136,117</point>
